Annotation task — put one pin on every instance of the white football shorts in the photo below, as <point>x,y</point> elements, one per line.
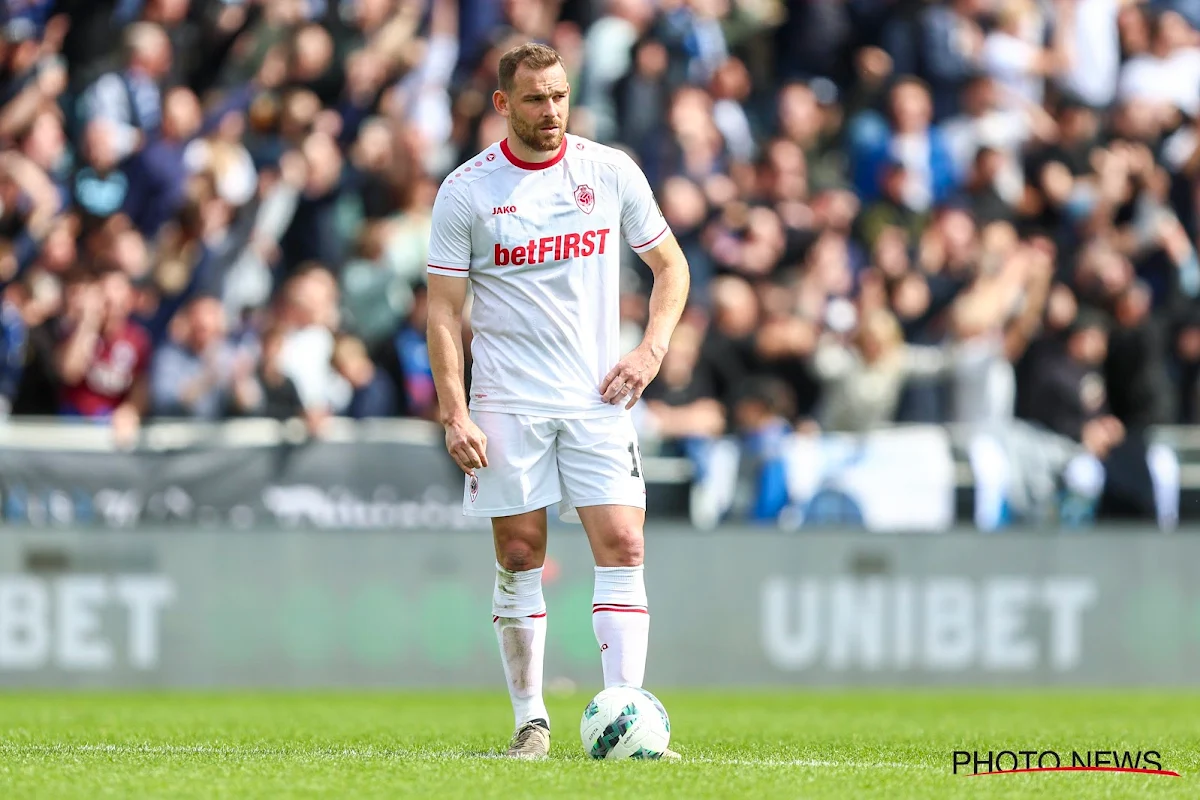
<point>535,462</point>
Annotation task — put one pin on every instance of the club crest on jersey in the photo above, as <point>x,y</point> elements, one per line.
<point>585,198</point>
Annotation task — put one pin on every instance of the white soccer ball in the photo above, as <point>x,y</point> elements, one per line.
<point>625,722</point>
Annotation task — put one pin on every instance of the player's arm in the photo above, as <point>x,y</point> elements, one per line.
<point>449,264</point>
<point>672,280</point>
<point>648,234</point>
<point>464,441</point>
<point>447,297</point>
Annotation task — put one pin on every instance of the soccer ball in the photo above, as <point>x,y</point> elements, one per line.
<point>625,722</point>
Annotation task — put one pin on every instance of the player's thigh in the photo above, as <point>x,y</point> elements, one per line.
<point>600,462</point>
<point>615,533</point>
<point>522,471</point>
<point>600,466</point>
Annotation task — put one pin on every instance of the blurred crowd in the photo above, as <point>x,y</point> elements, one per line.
<point>980,212</point>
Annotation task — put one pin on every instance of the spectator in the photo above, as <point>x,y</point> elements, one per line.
<point>312,235</point>
<point>157,173</point>
<point>951,47</point>
<point>728,350</point>
<point>267,391</point>
<point>893,212</point>
<point>1014,56</point>
<point>14,337</point>
<point>862,382</point>
<point>680,406</point>
<point>985,123</point>
<point>131,99</point>
<point>38,392</point>
<point>1167,77</point>
<point>811,123</point>
<point>104,357</point>
<point>912,142</point>
<point>99,188</point>
<point>1187,351</point>
<point>373,394</point>
<point>1094,42</point>
<point>308,314</point>
<point>191,377</point>
<point>405,358</point>
<point>761,415</point>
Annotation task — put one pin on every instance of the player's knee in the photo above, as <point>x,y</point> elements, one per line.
<point>518,556</point>
<point>626,547</point>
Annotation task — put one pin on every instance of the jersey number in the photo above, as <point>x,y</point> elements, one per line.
<point>633,456</point>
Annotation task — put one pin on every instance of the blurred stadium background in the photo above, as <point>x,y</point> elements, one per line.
<point>929,419</point>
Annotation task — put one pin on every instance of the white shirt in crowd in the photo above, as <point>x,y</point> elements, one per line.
<point>1097,53</point>
<point>1010,60</point>
<point>1174,79</point>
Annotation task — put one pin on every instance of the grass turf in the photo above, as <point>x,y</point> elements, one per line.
<point>755,745</point>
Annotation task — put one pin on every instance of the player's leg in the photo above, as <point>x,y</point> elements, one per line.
<point>514,490</point>
<point>601,470</point>
<point>620,614</point>
<point>600,466</point>
<point>519,617</point>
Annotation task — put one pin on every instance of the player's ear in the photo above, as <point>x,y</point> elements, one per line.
<point>500,101</point>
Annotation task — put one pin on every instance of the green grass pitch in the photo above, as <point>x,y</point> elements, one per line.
<point>443,745</point>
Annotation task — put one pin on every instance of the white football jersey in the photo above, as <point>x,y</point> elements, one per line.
<point>540,244</point>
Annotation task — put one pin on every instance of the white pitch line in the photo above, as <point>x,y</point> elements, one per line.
<point>12,748</point>
<point>204,749</point>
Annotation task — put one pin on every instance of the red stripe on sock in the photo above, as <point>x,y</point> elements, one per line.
<point>625,609</point>
<point>615,605</point>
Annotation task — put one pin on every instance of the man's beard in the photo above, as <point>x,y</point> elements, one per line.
<point>533,137</point>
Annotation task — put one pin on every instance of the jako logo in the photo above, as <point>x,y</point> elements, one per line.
<point>504,210</point>
<point>553,248</point>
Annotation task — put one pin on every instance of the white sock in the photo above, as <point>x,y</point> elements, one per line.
<point>519,617</point>
<point>622,624</point>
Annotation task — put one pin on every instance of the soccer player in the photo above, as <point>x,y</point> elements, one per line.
<point>532,224</point>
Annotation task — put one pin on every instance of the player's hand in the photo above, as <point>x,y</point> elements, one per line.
<point>630,377</point>
<point>467,445</point>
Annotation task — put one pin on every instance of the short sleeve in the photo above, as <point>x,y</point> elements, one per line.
<point>642,222</point>
<point>450,233</point>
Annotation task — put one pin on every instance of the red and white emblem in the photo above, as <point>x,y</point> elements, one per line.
<point>474,488</point>
<point>585,198</point>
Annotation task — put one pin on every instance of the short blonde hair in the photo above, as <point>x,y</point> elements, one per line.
<point>532,55</point>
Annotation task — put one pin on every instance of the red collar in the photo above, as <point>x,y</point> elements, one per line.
<point>516,162</point>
